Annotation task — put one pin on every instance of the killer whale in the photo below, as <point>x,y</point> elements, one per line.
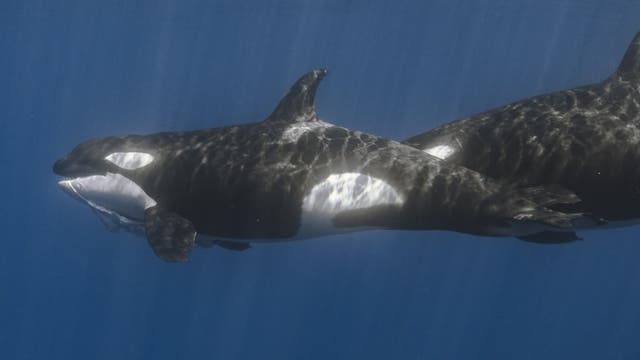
<point>585,139</point>
<point>287,177</point>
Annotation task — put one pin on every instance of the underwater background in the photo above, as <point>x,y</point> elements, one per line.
<point>72,70</point>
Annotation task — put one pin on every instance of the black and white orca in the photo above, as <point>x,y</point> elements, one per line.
<point>291,176</point>
<point>585,139</point>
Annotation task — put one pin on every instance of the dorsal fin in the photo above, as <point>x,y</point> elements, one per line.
<point>298,104</point>
<point>629,68</point>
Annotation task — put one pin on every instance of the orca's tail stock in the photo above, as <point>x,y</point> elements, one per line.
<point>554,207</point>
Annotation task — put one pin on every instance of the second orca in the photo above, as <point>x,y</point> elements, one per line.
<point>585,139</point>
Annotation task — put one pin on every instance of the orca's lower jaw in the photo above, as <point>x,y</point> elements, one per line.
<point>117,200</point>
<point>66,184</point>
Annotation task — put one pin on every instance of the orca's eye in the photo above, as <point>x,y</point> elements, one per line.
<point>130,160</point>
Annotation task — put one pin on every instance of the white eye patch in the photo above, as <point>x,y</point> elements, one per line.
<point>130,160</point>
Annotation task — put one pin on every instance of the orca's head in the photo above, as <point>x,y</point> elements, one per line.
<point>102,155</point>
<point>100,173</point>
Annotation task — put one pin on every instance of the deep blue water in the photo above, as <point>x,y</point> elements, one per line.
<point>71,70</point>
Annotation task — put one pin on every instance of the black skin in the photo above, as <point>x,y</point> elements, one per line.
<point>585,139</point>
<point>247,182</point>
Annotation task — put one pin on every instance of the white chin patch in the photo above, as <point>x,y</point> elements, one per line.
<point>441,151</point>
<point>130,160</point>
<point>110,193</point>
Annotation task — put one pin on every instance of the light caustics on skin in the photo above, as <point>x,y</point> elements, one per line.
<point>441,151</point>
<point>111,195</point>
<point>130,160</point>
<point>296,130</point>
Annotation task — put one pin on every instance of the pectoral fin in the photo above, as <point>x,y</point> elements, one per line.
<point>170,235</point>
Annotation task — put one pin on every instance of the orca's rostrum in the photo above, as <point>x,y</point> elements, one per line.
<point>291,176</point>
